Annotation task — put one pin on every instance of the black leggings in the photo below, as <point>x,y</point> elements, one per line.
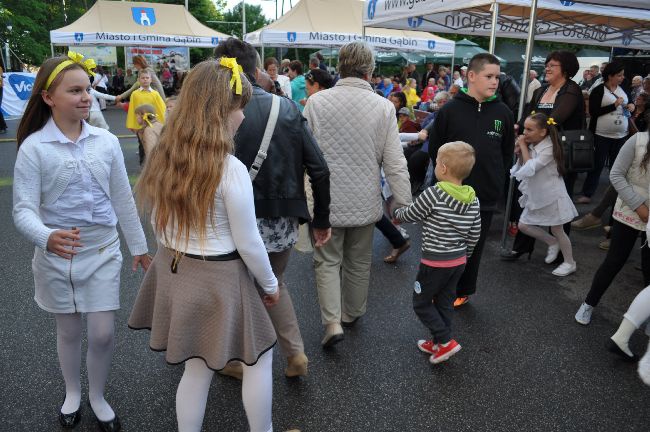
<point>620,246</point>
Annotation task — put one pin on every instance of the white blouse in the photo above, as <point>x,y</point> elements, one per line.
<point>233,227</point>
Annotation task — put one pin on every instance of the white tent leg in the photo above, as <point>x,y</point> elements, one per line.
<point>522,100</point>
<point>52,49</point>
<point>493,32</point>
<point>262,53</point>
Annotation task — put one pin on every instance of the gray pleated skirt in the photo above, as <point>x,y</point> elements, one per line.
<point>207,309</point>
<point>90,282</point>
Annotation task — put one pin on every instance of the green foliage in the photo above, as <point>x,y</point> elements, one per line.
<point>255,19</point>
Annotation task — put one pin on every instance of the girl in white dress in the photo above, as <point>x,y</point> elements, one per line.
<point>544,198</point>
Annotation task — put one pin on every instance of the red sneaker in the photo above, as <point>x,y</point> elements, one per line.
<point>461,301</point>
<point>444,352</point>
<point>427,346</point>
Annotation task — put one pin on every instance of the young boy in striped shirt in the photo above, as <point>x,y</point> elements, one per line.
<point>451,229</point>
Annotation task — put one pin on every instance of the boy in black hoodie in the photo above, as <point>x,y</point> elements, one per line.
<point>478,117</point>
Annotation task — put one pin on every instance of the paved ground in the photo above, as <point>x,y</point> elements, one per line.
<point>525,364</point>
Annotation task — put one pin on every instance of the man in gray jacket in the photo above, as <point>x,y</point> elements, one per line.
<point>357,131</point>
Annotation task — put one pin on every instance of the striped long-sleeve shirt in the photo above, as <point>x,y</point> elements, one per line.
<point>451,228</point>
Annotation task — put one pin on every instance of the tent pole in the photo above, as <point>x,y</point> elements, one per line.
<point>522,100</point>
<point>493,31</point>
<point>52,49</point>
<point>262,52</point>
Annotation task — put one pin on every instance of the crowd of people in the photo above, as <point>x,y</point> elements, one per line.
<point>227,198</point>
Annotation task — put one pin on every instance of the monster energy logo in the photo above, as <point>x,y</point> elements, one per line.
<point>498,125</point>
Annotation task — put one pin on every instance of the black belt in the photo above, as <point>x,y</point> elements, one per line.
<point>225,257</point>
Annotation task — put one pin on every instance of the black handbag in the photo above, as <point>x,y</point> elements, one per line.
<point>579,150</point>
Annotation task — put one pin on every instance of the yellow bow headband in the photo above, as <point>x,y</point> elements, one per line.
<point>88,65</point>
<point>235,80</point>
<point>551,122</point>
<point>147,116</point>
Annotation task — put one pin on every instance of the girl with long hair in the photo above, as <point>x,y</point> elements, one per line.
<point>70,190</point>
<point>199,299</point>
<point>544,199</point>
<point>630,176</point>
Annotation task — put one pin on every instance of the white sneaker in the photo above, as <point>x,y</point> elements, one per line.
<point>644,367</point>
<point>565,269</point>
<point>583,316</point>
<point>552,253</point>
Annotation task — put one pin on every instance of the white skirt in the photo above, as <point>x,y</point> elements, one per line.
<point>90,282</point>
<point>557,213</point>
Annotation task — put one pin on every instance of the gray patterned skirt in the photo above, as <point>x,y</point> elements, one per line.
<point>207,309</point>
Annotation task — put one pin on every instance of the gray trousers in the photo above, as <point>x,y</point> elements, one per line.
<point>283,316</point>
<point>343,273</point>
<point>434,303</point>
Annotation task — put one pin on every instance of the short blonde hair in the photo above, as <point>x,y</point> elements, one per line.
<point>458,157</point>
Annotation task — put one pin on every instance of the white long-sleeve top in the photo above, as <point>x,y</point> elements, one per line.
<point>44,169</point>
<point>99,95</point>
<point>233,227</point>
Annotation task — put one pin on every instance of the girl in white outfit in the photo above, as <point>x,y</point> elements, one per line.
<point>70,190</point>
<point>544,198</point>
<point>198,298</point>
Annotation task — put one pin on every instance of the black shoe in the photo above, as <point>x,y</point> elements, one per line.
<point>69,421</point>
<point>113,425</point>
<point>349,324</point>
<point>514,255</point>
<point>613,347</point>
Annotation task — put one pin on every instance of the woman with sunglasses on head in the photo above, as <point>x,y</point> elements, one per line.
<point>315,81</point>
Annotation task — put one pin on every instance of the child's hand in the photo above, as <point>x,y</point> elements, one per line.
<point>59,239</point>
<point>321,236</point>
<point>271,299</point>
<point>642,211</point>
<point>143,260</point>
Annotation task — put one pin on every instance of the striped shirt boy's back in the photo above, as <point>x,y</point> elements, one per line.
<point>451,228</point>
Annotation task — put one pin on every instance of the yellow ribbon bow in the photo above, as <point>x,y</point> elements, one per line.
<point>147,116</point>
<point>550,121</point>
<point>88,65</point>
<point>235,80</point>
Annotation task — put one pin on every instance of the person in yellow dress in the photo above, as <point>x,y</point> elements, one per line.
<point>143,96</point>
<point>412,98</point>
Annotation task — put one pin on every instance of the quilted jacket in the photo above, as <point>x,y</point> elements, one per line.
<point>357,132</point>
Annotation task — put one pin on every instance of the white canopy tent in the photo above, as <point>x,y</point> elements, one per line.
<point>333,23</point>
<point>116,23</point>
<point>557,20</point>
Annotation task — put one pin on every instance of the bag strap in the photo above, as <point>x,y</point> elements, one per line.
<point>266,139</point>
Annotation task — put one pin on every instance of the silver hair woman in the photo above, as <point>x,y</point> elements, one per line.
<point>356,60</point>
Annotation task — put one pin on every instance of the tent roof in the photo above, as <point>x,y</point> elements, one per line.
<point>559,21</point>
<point>322,21</point>
<point>114,23</point>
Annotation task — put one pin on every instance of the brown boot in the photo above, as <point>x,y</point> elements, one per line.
<point>296,365</point>
<point>233,369</point>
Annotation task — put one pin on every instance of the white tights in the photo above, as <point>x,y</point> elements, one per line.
<point>257,394</point>
<point>101,332</point>
<point>559,236</point>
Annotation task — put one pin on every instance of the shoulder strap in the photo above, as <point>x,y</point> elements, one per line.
<point>266,140</point>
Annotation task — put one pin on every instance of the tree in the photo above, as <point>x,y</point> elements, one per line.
<point>255,20</point>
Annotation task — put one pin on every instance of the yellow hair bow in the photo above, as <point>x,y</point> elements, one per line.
<point>550,121</point>
<point>88,65</point>
<point>532,112</point>
<point>147,116</point>
<point>235,80</point>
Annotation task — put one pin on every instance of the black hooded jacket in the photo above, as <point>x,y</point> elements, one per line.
<point>279,188</point>
<point>489,128</point>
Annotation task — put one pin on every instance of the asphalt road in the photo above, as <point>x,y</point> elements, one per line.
<point>525,364</point>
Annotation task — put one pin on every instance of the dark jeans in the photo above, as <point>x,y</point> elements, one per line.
<point>417,163</point>
<point>434,304</point>
<point>467,282</point>
<point>620,246</point>
<point>390,232</point>
<point>606,150</point>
